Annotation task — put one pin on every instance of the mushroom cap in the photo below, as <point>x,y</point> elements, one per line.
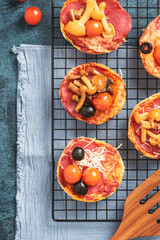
<point>76,28</point>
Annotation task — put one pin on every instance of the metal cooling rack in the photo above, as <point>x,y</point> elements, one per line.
<point>139,85</point>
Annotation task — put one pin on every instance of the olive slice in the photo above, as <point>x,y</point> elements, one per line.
<point>146,47</point>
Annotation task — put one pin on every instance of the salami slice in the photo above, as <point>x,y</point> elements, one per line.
<point>98,154</point>
<point>148,148</point>
<point>115,14</point>
<point>118,95</point>
<point>151,35</point>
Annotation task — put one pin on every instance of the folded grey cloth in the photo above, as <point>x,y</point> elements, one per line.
<point>34,163</point>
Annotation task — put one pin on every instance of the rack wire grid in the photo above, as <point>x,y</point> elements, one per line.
<point>139,85</point>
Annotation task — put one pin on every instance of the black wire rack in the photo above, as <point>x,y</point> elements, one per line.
<point>139,85</point>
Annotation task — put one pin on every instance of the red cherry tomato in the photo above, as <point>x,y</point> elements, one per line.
<point>103,101</point>
<point>32,15</point>
<point>93,28</point>
<point>156,54</point>
<point>91,176</point>
<point>72,174</point>
<point>21,0</point>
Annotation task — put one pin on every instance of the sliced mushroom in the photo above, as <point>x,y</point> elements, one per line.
<point>145,124</point>
<point>155,114</point>
<point>74,77</point>
<point>77,83</point>
<point>143,134</point>
<point>91,89</point>
<point>153,124</point>
<point>152,135</point>
<point>96,14</point>
<point>94,71</point>
<point>153,142</point>
<point>140,117</point>
<point>83,73</point>
<point>74,89</point>
<point>82,90</point>
<point>72,14</point>
<point>77,27</point>
<point>109,30</point>
<point>78,14</point>
<point>75,98</point>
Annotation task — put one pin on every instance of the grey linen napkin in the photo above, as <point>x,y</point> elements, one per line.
<point>34,163</point>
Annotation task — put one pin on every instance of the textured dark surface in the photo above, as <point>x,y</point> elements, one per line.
<point>14,31</point>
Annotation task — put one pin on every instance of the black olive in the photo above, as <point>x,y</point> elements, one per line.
<point>109,81</point>
<point>81,188</point>
<point>146,48</point>
<point>88,111</point>
<point>109,90</point>
<point>78,153</point>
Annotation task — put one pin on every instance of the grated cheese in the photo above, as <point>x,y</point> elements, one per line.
<point>120,146</point>
<point>156,106</point>
<point>156,153</point>
<point>147,144</point>
<point>89,143</point>
<point>61,165</point>
<point>121,72</point>
<point>138,129</point>
<point>143,109</point>
<point>94,159</point>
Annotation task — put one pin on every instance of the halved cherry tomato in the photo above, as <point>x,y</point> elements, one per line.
<point>103,101</point>
<point>32,15</point>
<point>156,54</point>
<point>93,28</point>
<point>91,176</point>
<point>72,174</point>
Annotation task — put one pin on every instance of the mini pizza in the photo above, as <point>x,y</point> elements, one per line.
<point>95,26</point>
<point>150,47</point>
<point>89,170</point>
<point>93,93</point>
<point>144,127</point>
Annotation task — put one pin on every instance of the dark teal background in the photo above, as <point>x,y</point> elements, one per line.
<point>14,31</point>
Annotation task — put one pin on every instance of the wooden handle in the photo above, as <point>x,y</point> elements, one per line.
<point>122,234</point>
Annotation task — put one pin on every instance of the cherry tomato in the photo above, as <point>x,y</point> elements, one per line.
<point>103,101</point>
<point>32,15</point>
<point>91,176</point>
<point>21,0</point>
<point>72,174</point>
<point>156,54</point>
<point>93,28</point>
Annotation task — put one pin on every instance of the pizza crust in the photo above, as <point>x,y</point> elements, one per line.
<point>131,130</point>
<point>99,45</point>
<point>113,181</point>
<point>152,35</point>
<point>119,94</point>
